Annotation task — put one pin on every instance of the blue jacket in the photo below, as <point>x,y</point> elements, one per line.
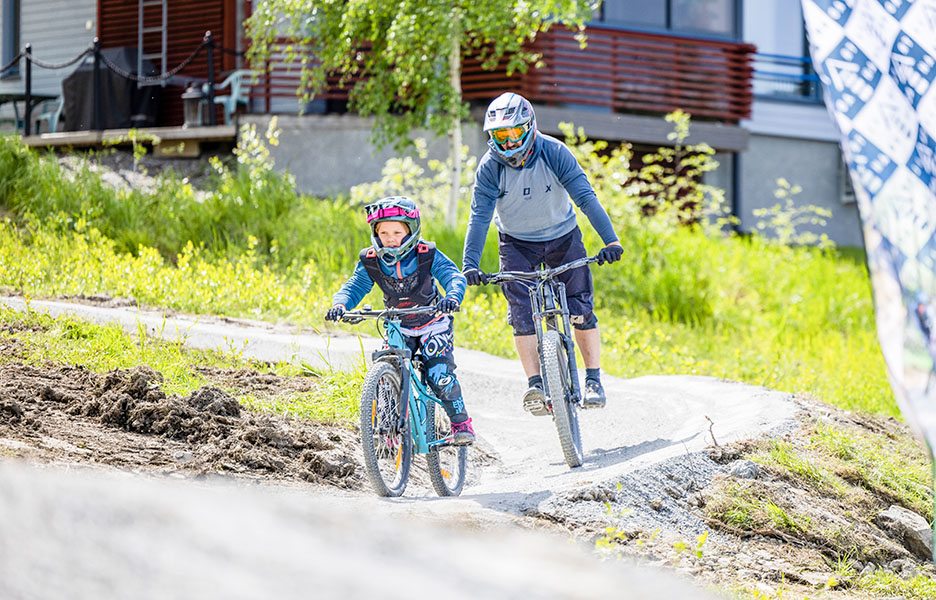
<point>532,203</point>
<point>443,270</point>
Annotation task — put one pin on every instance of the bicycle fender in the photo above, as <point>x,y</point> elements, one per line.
<point>400,352</point>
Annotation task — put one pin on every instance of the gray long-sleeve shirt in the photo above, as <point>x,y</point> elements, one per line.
<point>532,203</point>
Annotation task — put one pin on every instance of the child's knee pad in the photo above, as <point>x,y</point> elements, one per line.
<point>441,378</point>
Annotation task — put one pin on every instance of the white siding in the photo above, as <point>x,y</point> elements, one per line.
<point>792,119</point>
<point>58,31</point>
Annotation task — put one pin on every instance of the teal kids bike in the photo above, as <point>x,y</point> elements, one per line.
<point>400,415</point>
<point>556,348</point>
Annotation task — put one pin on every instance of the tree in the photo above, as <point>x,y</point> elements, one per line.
<point>402,59</point>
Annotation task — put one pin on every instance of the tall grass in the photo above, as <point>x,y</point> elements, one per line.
<point>685,299</point>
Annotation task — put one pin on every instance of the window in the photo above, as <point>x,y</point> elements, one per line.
<point>699,17</point>
<point>9,37</point>
<point>782,68</point>
<point>641,13</point>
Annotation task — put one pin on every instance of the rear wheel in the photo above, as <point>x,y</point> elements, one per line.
<point>385,437</point>
<point>447,464</point>
<point>560,393</point>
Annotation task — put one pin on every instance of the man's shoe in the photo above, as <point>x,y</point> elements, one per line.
<point>463,433</point>
<point>594,394</point>
<point>534,401</point>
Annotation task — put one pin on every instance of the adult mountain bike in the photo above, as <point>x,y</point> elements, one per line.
<point>401,416</point>
<point>556,348</point>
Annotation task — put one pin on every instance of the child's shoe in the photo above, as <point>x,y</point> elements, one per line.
<point>462,433</point>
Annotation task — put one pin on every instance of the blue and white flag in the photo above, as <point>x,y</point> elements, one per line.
<point>877,63</point>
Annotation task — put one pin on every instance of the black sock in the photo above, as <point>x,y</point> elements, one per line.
<point>535,381</point>
<point>593,374</point>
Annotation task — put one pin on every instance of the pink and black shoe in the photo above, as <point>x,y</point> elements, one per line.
<point>462,433</point>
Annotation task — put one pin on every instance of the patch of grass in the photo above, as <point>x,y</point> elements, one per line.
<point>885,584</point>
<point>335,401</point>
<point>749,507</point>
<point>826,485</point>
<point>809,469</point>
<point>102,348</point>
<point>888,465</point>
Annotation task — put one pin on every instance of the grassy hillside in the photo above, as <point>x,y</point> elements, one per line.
<point>683,300</point>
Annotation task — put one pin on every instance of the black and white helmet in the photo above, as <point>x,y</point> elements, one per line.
<point>510,118</point>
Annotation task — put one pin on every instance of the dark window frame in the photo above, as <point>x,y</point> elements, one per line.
<point>735,35</point>
<point>10,38</point>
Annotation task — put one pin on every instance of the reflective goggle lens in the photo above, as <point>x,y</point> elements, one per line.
<point>514,134</point>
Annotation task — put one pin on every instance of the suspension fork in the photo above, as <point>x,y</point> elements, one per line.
<point>401,357</point>
<point>539,317</point>
<point>568,338</point>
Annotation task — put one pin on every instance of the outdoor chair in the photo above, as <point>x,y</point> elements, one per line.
<point>50,111</point>
<point>237,94</point>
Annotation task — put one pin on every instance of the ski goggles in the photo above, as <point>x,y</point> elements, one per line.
<point>375,212</point>
<point>514,134</point>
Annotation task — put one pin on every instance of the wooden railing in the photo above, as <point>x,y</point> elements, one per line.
<point>629,72</point>
<point>622,71</point>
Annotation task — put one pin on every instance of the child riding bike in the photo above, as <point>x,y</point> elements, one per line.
<point>406,268</point>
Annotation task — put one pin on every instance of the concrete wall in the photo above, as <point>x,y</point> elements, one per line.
<point>332,153</point>
<point>329,154</point>
<point>814,165</point>
<point>799,142</point>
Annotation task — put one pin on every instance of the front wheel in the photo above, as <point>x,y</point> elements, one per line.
<point>560,393</point>
<point>385,437</point>
<point>447,464</point>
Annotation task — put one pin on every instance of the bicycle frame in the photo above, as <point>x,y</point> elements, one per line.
<point>546,312</point>
<point>413,384</point>
<point>550,307</point>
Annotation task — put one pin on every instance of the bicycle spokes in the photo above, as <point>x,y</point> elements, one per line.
<point>386,438</point>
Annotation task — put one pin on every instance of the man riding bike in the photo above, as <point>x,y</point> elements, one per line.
<point>527,181</point>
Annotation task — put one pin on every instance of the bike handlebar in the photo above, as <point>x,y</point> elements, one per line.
<point>356,316</point>
<point>507,276</point>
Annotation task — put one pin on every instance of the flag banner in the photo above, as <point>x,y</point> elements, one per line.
<point>877,63</point>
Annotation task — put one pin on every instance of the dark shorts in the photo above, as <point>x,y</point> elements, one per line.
<point>518,255</point>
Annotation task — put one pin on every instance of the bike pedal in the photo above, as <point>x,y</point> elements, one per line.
<point>536,405</point>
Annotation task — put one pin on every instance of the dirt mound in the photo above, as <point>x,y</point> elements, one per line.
<point>206,431</point>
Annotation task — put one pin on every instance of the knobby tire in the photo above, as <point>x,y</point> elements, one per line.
<point>559,390</point>
<point>388,450</point>
<point>447,465</point>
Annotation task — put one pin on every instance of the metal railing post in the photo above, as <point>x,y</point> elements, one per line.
<point>211,79</point>
<point>96,118</point>
<point>27,110</point>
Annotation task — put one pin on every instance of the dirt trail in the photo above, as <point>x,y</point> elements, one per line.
<point>644,453</point>
<point>648,420</point>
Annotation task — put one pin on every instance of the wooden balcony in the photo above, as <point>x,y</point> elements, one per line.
<point>622,71</point>
<point>629,72</point>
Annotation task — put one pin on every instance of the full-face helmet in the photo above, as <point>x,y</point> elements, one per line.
<point>510,119</point>
<point>393,208</point>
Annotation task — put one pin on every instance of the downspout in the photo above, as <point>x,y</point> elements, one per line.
<point>736,191</point>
